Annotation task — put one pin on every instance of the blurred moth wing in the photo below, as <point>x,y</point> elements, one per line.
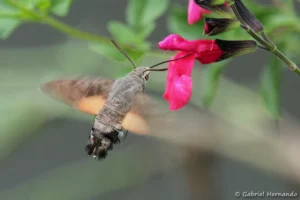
<point>89,95</point>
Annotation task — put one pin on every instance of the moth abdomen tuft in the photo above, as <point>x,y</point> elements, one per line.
<point>101,143</point>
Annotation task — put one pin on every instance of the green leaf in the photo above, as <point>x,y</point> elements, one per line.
<point>270,87</point>
<point>9,19</point>
<point>146,31</point>
<point>122,33</point>
<point>210,78</point>
<point>111,52</point>
<point>281,21</point>
<point>136,53</point>
<point>177,23</point>
<point>61,7</point>
<point>126,36</point>
<point>108,50</point>
<point>141,13</point>
<point>44,6</point>
<point>7,26</point>
<point>134,11</point>
<point>5,7</point>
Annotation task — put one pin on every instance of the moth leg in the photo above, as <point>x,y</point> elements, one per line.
<point>125,135</point>
<point>122,135</point>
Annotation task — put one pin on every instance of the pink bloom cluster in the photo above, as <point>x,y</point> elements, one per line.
<point>179,82</point>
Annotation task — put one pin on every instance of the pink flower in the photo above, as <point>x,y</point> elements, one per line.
<point>195,12</point>
<point>179,82</point>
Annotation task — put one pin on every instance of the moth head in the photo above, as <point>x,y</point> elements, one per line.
<point>142,72</point>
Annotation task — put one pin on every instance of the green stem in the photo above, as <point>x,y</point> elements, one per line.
<point>68,30</point>
<point>269,45</point>
<point>272,48</point>
<point>285,59</point>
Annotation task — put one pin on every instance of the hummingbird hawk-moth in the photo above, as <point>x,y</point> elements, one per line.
<point>117,104</point>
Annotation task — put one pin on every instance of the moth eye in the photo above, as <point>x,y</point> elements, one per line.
<point>147,77</point>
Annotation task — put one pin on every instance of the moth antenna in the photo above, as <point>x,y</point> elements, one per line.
<point>169,61</point>
<point>123,52</point>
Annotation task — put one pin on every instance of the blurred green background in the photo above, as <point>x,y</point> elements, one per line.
<point>240,143</point>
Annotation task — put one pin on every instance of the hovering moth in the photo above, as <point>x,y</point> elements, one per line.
<point>117,104</point>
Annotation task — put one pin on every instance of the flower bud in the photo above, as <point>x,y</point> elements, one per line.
<point>247,17</point>
<point>217,6</point>
<point>210,2</point>
<point>214,26</point>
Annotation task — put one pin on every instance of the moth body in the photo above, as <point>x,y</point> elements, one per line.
<point>107,125</point>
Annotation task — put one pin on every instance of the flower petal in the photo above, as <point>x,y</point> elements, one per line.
<point>171,42</point>
<point>170,79</point>
<point>179,82</point>
<point>182,92</point>
<point>195,12</point>
<point>174,42</point>
<point>207,51</point>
